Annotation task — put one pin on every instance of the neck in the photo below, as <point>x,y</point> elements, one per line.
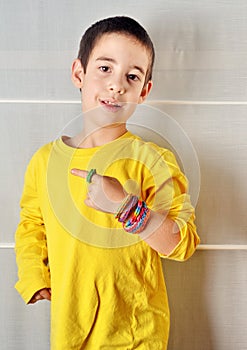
<point>89,138</point>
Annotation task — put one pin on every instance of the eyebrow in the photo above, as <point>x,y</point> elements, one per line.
<point>108,59</point>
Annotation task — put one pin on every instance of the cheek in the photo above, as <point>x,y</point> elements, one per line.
<point>134,96</point>
<point>91,87</point>
<point>97,84</point>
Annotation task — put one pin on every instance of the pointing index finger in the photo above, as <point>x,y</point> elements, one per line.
<point>79,172</point>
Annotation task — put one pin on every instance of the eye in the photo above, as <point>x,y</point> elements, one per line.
<point>104,69</point>
<point>133,77</point>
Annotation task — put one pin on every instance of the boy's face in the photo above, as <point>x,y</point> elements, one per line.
<point>115,76</point>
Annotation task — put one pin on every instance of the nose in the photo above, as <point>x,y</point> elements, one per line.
<point>117,86</point>
<point>119,91</point>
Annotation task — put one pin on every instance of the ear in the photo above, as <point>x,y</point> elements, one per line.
<point>77,73</point>
<point>145,91</point>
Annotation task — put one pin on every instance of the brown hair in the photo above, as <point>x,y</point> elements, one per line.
<point>118,24</point>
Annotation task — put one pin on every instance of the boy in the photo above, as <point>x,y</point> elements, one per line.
<point>106,284</point>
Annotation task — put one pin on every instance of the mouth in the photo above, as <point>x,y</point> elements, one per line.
<point>111,104</point>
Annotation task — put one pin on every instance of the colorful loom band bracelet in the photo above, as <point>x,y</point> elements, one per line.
<point>135,213</point>
<point>130,207</point>
<point>136,223</point>
<point>139,226</point>
<point>129,201</point>
<point>133,221</point>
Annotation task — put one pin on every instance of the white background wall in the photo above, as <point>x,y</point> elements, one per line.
<point>201,83</point>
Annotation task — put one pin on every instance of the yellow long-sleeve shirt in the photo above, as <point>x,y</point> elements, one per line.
<point>108,290</point>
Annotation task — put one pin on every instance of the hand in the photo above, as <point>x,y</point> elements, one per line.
<point>40,295</point>
<point>104,193</point>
